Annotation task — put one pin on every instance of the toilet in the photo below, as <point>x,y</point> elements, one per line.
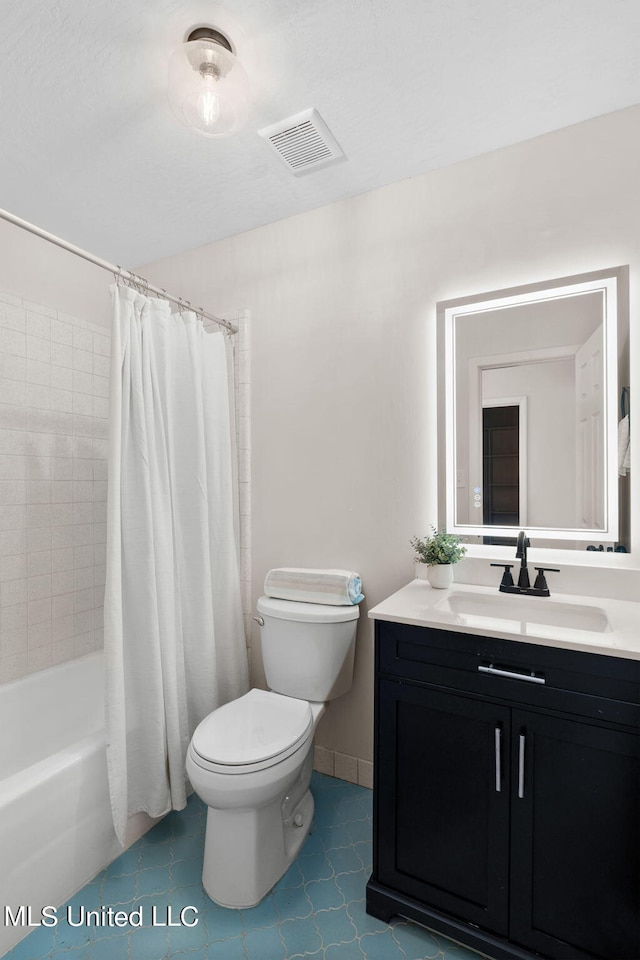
<point>250,760</point>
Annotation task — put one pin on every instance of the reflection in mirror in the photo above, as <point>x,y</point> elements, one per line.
<point>528,412</point>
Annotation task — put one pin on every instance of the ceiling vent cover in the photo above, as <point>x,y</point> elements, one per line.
<point>303,142</point>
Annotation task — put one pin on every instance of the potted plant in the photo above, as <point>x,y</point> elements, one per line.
<point>435,556</point>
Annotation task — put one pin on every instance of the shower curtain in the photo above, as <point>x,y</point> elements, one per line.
<point>174,638</point>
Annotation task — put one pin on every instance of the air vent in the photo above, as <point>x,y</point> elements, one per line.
<point>303,142</point>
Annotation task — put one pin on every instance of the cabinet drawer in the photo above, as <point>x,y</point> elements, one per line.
<point>603,687</point>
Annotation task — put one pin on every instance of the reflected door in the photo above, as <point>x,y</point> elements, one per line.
<point>501,465</point>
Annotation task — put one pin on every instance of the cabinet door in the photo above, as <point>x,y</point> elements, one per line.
<point>575,854</point>
<point>442,811</point>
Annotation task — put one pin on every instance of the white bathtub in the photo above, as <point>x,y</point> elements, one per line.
<point>56,831</point>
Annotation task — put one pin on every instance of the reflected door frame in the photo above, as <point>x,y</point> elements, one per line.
<point>521,403</point>
<point>477,365</point>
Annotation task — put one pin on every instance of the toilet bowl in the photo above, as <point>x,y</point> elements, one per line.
<point>250,760</point>
<point>260,802</point>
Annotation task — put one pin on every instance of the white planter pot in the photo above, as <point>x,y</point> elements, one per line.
<point>440,575</point>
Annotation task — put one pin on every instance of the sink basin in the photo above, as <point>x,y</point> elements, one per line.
<point>541,611</point>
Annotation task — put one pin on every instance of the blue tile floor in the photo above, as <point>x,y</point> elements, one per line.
<point>315,911</point>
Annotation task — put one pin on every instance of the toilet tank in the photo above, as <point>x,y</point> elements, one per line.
<point>308,648</point>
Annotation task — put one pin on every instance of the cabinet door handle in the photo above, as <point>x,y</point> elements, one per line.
<point>510,674</point>
<point>498,745</point>
<point>521,766</point>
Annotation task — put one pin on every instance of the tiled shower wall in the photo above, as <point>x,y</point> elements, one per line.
<point>54,372</point>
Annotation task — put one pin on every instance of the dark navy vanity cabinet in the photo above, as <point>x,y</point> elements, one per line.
<point>507,794</point>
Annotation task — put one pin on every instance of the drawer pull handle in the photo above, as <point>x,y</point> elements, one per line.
<point>510,674</point>
<point>498,743</point>
<point>521,767</point>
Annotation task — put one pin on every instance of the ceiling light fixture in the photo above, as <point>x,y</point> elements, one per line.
<point>208,86</point>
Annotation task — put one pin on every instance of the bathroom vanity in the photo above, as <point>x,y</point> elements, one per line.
<point>507,771</point>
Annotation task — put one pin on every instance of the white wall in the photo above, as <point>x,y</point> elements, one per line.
<point>39,272</point>
<point>342,303</point>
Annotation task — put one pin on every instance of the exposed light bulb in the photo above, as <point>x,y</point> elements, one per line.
<point>208,105</point>
<point>208,88</point>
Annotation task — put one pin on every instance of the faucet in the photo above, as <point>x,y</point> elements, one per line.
<point>521,555</point>
<point>540,588</point>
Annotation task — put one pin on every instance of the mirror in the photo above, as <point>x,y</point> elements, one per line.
<point>529,402</point>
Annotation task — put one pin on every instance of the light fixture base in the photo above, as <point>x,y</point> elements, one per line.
<point>208,33</point>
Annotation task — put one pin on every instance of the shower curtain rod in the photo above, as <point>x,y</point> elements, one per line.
<point>126,275</point>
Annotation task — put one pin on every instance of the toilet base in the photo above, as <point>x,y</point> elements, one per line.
<point>248,850</point>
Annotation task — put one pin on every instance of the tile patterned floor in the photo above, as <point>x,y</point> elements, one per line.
<point>315,912</point>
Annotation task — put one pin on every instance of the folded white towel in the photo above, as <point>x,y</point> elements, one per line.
<point>336,587</point>
<point>624,448</point>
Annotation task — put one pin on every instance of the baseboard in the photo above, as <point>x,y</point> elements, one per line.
<point>343,767</point>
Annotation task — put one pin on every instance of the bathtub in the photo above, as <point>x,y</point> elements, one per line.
<point>56,831</point>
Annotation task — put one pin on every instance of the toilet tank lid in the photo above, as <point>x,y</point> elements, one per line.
<point>306,612</point>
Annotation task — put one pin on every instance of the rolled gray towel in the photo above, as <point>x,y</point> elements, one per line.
<point>336,587</point>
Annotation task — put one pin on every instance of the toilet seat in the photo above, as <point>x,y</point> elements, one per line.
<point>251,733</point>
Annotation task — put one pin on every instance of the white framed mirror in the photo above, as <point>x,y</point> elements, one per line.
<point>530,380</point>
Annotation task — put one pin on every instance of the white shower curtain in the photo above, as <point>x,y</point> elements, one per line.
<point>174,639</point>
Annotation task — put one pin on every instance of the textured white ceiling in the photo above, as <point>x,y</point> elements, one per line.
<point>90,150</point>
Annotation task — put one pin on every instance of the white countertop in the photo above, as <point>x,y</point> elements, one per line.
<point>612,626</point>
